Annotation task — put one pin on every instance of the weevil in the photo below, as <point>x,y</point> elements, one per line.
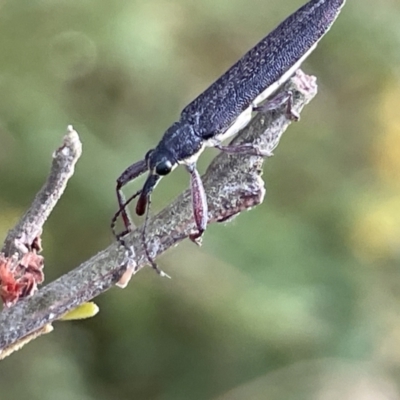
<point>223,109</point>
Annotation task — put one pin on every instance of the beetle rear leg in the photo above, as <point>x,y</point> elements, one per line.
<point>282,98</point>
<point>250,149</point>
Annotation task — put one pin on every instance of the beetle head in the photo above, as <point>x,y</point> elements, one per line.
<point>159,164</point>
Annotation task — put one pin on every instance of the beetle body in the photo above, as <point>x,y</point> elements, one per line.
<point>226,106</point>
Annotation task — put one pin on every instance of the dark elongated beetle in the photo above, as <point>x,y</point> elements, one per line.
<point>225,108</point>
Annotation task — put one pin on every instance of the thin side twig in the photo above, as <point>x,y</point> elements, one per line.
<point>232,182</point>
<point>20,238</point>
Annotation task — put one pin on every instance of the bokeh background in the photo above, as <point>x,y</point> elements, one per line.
<point>297,299</point>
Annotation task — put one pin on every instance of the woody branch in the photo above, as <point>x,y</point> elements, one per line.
<point>233,184</point>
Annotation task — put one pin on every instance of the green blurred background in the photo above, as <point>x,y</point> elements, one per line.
<point>297,299</point>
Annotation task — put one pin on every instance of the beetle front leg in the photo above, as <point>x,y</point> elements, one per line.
<point>122,211</point>
<point>128,175</point>
<point>199,203</point>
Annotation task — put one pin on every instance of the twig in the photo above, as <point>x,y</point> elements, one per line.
<point>232,183</point>
<point>21,237</point>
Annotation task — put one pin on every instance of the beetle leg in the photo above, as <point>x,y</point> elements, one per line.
<point>123,211</point>
<point>199,203</point>
<point>132,172</point>
<point>282,98</point>
<point>250,149</point>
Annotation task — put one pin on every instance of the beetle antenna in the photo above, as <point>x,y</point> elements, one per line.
<point>126,218</point>
<point>149,257</point>
<point>143,207</point>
